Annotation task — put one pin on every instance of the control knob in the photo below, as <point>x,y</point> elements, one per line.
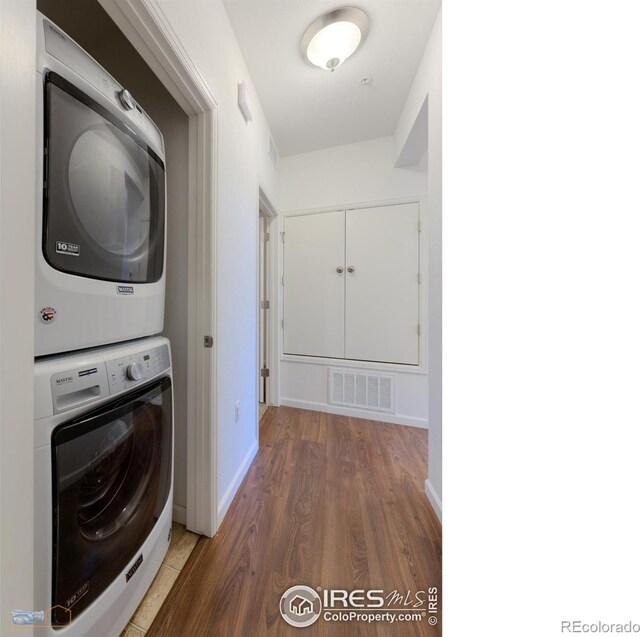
<point>126,99</point>
<point>135,371</point>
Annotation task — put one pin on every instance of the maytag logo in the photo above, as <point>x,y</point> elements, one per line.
<point>56,31</point>
<point>64,379</point>
<point>132,571</point>
<point>125,289</point>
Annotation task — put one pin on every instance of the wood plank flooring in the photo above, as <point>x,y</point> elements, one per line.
<point>329,501</point>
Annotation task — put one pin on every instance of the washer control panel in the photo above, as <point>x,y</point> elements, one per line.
<point>132,370</point>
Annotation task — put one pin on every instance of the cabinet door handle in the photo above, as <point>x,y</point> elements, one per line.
<point>339,269</point>
<point>351,269</point>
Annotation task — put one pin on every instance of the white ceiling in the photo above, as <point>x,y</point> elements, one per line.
<point>308,108</point>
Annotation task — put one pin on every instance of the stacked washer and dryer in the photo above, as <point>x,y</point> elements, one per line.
<point>103,390</point>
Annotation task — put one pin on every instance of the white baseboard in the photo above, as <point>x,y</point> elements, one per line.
<point>179,514</point>
<point>433,498</point>
<point>231,491</point>
<point>422,423</point>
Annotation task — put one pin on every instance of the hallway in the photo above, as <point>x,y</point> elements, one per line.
<point>329,501</point>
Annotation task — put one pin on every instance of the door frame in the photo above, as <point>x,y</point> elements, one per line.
<point>271,226</point>
<point>145,26</point>
<point>263,294</point>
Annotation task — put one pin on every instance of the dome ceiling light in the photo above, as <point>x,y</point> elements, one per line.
<point>334,37</point>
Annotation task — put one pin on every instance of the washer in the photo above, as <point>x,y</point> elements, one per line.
<point>104,484</point>
<point>101,219</point>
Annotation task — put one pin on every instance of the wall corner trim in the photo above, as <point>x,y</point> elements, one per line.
<point>396,419</point>
<point>180,514</point>
<point>434,500</point>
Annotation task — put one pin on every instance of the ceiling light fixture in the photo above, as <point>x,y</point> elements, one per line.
<point>334,37</point>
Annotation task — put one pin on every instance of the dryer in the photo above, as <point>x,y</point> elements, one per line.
<point>104,484</point>
<point>100,222</point>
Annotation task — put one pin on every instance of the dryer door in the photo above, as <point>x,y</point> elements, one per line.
<point>104,191</point>
<point>111,481</point>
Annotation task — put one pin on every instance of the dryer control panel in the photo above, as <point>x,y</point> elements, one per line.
<point>60,46</point>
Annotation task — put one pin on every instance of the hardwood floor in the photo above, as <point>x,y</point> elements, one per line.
<point>331,502</point>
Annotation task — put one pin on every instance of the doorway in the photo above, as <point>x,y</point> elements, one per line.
<point>266,301</point>
<point>264,307</point>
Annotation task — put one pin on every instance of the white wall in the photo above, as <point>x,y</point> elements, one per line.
<point>353,173</point>
<point>204,30</point>
<point>428,78</point>
<point>17,245</point>
<point>427,87</point>
<point>338,177</point>
<point>171,119</point>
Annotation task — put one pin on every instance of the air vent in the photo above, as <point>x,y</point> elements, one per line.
<point>273,151</point>
<point>363,390</point>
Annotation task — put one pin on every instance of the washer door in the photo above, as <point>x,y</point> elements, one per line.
<point>104,203</point>
<point>112,478</point>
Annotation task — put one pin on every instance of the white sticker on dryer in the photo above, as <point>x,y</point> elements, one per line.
<point>47,314</point>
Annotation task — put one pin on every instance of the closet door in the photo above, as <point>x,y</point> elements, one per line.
<point>382,288</point>
<point>314,285</point>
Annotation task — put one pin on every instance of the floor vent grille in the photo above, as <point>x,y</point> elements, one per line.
<point>363,390</point>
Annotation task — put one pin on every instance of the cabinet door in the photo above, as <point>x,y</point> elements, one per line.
<point>313,286</point>
<point>382,291</point>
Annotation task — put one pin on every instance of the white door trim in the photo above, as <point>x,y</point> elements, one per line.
<point>265,202</point>
<point>146,27</point>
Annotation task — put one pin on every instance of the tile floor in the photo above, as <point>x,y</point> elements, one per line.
<point>182,543</point>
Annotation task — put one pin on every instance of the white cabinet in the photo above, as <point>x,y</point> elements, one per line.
<point>314,290</point>
<point>382,294</point>
<point>351,284</point>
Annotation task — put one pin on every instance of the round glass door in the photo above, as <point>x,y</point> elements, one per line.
<point>107,184</point>
<point>104,191</point>
<point>113,488</point>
